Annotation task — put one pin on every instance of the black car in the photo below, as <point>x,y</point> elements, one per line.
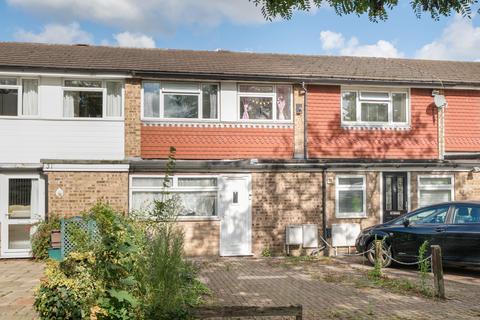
<point>455,226</point>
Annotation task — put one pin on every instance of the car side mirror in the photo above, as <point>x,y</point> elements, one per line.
<point>406,222</point>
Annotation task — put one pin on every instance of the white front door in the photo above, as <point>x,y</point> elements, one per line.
<point>22,204</point>
<point>236,219</point>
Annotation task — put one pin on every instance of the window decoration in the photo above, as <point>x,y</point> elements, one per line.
<point>92,99</point>
<point>265,102</point>
<point>180,100</point>
<point>434,189</point>
<point>350,196</point>
<point>197,196</point>
<point>374,107</point>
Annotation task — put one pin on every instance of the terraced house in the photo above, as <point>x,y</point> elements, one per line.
<point>263,141</point>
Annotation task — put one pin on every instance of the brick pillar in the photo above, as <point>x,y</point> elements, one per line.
<point>298,105</point>
<point>133,124</point>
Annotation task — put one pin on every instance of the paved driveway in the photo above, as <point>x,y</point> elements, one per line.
<point>322,287</point>
<point>326,292</point>
<point>18,278</point>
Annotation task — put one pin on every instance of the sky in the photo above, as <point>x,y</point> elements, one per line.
<point>237,25</point>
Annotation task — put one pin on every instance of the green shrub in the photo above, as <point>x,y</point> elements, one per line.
<point>41,237</point>
<point>68,290</point>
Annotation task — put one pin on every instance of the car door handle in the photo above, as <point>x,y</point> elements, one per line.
<point>440,229</point>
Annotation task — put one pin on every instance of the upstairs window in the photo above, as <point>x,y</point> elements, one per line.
<point>375,107</point>
<point>180,100</point>
<point>18,97</point>
<point>264,102</point>
<point>92,99</point>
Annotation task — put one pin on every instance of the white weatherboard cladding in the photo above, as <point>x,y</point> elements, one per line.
<point>28,141</point>
<point>50,136</point>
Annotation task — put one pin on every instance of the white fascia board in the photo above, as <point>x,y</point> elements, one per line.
<point>75,167</point>
<point>65,75</point>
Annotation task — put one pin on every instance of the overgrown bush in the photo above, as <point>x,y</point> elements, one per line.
<point>135,270</point>
<point>68,290</point>
<point>41,238</point>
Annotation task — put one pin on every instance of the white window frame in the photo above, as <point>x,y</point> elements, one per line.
<point>175,188</point>
<point>19,88</point>
<point>338,188</point>
<point>102,89</point>
<point>376,124</point>
<point>197,92</point>
<point>450,187</point>
<point>272,95</point>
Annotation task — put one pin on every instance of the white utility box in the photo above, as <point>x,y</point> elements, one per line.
<point>345,234</point>
<point>310,236</point>
<point>294,235</point>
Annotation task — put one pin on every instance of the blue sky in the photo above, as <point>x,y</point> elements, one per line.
<point>237,25</point>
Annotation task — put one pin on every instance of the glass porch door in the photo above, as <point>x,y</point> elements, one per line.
<point>22,204</point>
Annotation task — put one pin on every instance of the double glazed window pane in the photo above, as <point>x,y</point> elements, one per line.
<point>180,106</point>
<point>374,112</point>
<point>209,101</point>
<point>151,99</point>
<point>197,203</point>
<point>435,181</point>
<point>357,182</point>
<point>256,88</point>
<point>8,102</point>
<point>8,81</point>
<point>399,103</point>
<point>151,182</point>
<point>349,106</point>
<point>284,103</point>
<point>114,99</point>
<point>197,182</point>
<point>350,201</point>
<point>83,104</point>
<point>83,83</point>
<point>22,198</point>
<point>256,108</point>
<point>30,97</point>
<point>428,197</point>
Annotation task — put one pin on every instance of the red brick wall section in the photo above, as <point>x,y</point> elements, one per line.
<point>327,139</point>
<point>462,121</point>
<point>217,143</point>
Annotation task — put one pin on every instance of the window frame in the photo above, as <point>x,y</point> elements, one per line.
<point>174,188</point>
<point>102,89</point>
<point>376,124</point>
<point>431,187</point>
<point>272,95</point>
<point>338,188</point>
<point>19,88</point>
<point>198,92</point>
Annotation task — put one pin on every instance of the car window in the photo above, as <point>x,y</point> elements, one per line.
<point>432,215</point>
<point>466,214</point>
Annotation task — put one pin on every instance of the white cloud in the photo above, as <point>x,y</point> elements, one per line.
<point>331,40</point>
<point>56,33</point>
<point>134,40</point>
<point>334,42</point>
<point>147,16</point>
<point>460,40</point>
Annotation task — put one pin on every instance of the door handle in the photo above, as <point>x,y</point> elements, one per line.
<point>440,229</point>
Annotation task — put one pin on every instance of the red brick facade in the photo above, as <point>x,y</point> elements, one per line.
<point>327,138</point>
<point>217,143</point>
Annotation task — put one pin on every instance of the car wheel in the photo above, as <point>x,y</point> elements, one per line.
<point>386,256</point>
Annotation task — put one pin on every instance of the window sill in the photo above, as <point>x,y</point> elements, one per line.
<point>193,218</point>
<point>350,217</point>
<point>402,127</point>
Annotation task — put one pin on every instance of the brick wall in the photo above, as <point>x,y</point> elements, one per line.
<point>281,199</point>
<point>133,124</point>
<point>82,190</point>
<point>216,142</point>
<point>202,238</point>
<point>327,139</point>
